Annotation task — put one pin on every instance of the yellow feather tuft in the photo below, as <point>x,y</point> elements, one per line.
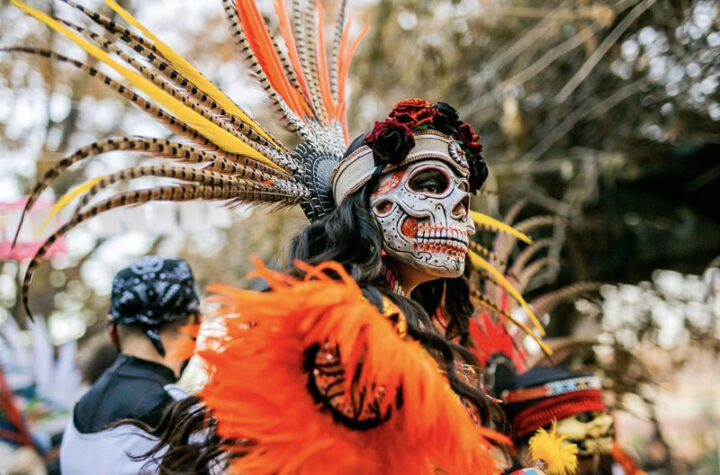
<point>480,263</point>
<point>217,135</point>
<point>65,200</point>
<point>195,76</point>
<point>550,449</point>
<point>485,220</point>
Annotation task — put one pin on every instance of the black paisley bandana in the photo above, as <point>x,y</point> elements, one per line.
<point>152,292</point>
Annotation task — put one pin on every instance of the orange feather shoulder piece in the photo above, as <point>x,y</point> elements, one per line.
<point>258,386</point>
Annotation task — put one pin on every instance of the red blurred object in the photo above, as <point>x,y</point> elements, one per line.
<point>28,243</point>
<point>10,415</point>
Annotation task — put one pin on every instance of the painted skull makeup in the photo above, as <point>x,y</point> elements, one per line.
<point>592,432</point>
<point>423,211</point>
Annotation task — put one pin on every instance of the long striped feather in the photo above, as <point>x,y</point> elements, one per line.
<point>286,32</point>
<point>311,67</point>
<point>335,55</point>
<point>202,177</point>
<point>288,69</point>
<point>189,96</point>
<point>259,38</point>
<point>528,253</point>
<point>548,301</point>
<point>148,50</point>
<point>221,137</point>
<point>167,70</point>
<point>323,72</point>
<point>483,251</point>
<point>486,222</point>
<point>504,249</point>
<point>533,269</point>
<point>170,193</point>
<point>300,34</point>
<point>174,124</point>
<point>288,118</point>
<point>189,174</point>
<point>189,71</point>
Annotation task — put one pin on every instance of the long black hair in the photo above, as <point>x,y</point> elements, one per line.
<point>351,236</point>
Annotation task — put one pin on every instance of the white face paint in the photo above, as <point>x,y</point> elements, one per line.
<point>424,213</point>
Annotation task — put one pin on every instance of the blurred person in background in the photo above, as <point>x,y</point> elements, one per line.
<point>556,399</point>
<point>151,301</point>
<point>95,357</point>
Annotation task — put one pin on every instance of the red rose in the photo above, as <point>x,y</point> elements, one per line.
<point>470,140</point>
<point>390,141</point>
<point>414,112</point>
<point>466,133</point>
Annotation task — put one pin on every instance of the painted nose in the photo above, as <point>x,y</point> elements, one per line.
<point>460,210</point>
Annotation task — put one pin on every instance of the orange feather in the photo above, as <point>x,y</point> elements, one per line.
<point>346,54</point>
<point>261,43</point>
<point>289,39</point>
<point>258,385</point>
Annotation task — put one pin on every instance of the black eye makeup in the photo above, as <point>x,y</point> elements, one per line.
<point>429,180</point>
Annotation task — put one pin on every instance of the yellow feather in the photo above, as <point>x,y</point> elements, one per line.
<point>65,200</point>
<point>481,263</point>
<point>550,449</point>
<point>195,76</point>
<point>485,220</point>
<point>217,135</point>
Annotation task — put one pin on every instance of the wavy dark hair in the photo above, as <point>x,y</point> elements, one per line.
<point>351,236</point>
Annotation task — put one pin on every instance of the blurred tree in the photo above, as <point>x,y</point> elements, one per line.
<point>604,112</point>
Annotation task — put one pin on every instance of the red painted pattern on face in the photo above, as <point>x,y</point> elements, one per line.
<point>409,227</point>
<point>391,183</point>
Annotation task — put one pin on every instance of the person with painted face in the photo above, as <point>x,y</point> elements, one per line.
<point>339,367</point>
<point>342,369</point>
<point>151,300</point>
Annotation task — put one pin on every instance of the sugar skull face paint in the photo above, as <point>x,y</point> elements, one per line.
<point>423,211</point>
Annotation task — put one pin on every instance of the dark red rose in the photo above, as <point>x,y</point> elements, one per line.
<point>466,133</point>
<point>474,148</point>
<point>390,141</point>
<point>446,120</point>
<point>414,112</point>
<point>471,142</point>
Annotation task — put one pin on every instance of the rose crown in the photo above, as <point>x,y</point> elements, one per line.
<point>414,130</point>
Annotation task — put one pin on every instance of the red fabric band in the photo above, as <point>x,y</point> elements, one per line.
<point>544,412</point>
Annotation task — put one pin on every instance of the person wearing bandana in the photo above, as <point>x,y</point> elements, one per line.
<point>151,300</point>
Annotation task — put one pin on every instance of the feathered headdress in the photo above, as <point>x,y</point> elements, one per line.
<point>226,155</point>
<point>239,160</point>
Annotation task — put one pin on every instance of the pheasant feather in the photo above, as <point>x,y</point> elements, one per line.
<point>221,137</point>
<point>189,71</point>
